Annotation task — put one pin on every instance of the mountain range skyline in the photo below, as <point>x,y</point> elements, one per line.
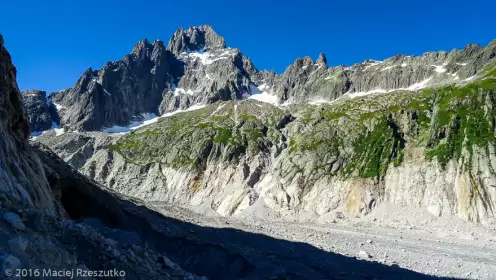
<point>347,33</point>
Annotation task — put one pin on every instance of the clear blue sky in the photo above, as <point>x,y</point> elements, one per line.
<point>53,42</point>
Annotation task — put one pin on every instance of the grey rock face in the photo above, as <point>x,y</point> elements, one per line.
<point>9,262</point>
<point>196,69</point>
<point>14,220</point>
<point>195,39</point>
<point>306,80</point>
<point>21,174</point>
<point>210,76</point>
<point>322,60</point>
<point>18,244</point>
<point>37,109</point>
<point>120,92</point>
<point>346,157</point>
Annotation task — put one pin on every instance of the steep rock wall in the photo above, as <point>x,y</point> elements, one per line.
<point>21,173</point>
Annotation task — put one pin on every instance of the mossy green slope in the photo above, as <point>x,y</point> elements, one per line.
<point>221,131</point>
<point>368,134</point>
<point>360,137</point>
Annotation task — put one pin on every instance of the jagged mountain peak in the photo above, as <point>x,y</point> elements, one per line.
<point>158,42</point>
<point>195,38</point>
<point>473,47</point>
<point>142,48</point>
<point>322,60</point>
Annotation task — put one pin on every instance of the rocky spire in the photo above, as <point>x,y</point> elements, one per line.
<point>141,49</point>
<point>195,38</point>
<point>177,42</point>
<point>322,61</point>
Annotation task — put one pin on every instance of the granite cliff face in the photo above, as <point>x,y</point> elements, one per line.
<point>195,39</point>
<point>38,110</point>
<point>195,68</point>
<point>21,172</point>
<point>120,92</point>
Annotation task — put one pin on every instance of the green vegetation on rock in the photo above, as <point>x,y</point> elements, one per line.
<point>360,137</point>
<point>224,132</point>
<point>464,119</point>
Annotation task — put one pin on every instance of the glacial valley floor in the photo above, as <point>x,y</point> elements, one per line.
<point>390,243</point>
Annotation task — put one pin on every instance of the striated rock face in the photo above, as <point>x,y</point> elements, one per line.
<point>432,149</point>
<point>37,109</point>
<point>196,68</point>
<point>210,76</point>
<point>307,80</point>
<point>195,39</point>
<point>120,92</point>
<point>21,173</point>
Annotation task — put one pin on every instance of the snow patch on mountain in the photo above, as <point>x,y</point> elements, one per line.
<point>414,87</point>
<point>58,106</point>
<point>148,118</point>
<point>470,78</point>
<point>388,67</point>
<point>262,94</point>
<point>179,91</point>
<point>372,63</point>
<point>265,97</point>
<point>439,68</point>
<point>206,57</point>
<point>55,127</point>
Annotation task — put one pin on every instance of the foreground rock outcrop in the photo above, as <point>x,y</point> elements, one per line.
<point>21,173</point>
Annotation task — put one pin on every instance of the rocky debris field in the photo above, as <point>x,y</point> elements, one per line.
<point>391,243</point>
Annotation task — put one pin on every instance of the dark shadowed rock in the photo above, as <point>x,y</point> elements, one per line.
<point>118,93</point>
<point>21,174</point>
<point>322,60</point>
<point>195,38</point>
<point>37,109</point>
